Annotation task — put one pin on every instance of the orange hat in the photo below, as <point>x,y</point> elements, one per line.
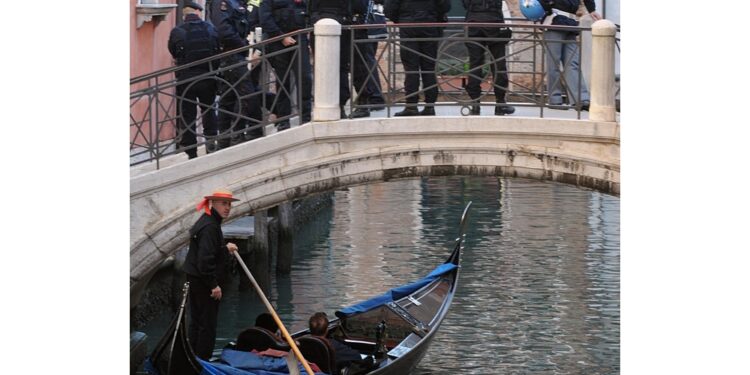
<point>217,195</point>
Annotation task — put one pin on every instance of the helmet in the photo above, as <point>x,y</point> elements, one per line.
<point>532,10</point>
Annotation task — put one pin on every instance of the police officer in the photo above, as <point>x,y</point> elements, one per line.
<point>365,74</point>
<point>563,54</point>
<point>418,11</point>
<point>345,12</point>
<point>233,23</point>
<point>278,17</point>
<point>487,11</point>
<point>194,40</point>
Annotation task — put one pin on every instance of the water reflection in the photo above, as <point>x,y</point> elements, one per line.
<point>540,280</point>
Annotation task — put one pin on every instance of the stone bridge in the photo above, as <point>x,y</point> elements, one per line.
<point>328,154</point>
<point>323,156</point>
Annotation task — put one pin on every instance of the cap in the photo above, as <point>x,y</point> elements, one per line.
<point>192,4</point>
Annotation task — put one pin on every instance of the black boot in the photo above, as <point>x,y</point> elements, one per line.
<point>503,109</point>
<point>378,107</point>
<point>284,125</point>
<point>254,133</point>
<point>223,142</point>
<point>428,111</point>
<point>475,109</point>
<point>409,110</point>
<point>211,145</point>
<point>359,113</point>
<point>236,139</point>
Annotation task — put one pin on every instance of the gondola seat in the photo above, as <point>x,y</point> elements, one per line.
<point>319,351</point>
<point>260,339</point>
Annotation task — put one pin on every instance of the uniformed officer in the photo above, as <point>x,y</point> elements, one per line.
<point>413,53</point>
<point>278,17</point>
<point>365,73</point>
<point>345,12</point>
<point>233,24</point>
<point>487,11</point>
<point>191,41</point>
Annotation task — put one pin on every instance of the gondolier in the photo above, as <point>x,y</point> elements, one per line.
<point>391,332</point>
<point>205,266</point>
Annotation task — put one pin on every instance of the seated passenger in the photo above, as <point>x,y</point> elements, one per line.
<point>344,354</point>
<point>262,337</point>
<point>265,320</point>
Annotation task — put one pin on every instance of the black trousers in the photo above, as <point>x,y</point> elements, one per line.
<point>204,92</point>
<point>418,58</point>
<point>498,65</point>
<point>365,82</point>
<point>287,67</point>
<point>239,98</point>
<point>204,312</point>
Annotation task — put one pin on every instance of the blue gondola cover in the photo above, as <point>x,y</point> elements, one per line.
<point>234,362</point>
<point>396,293</point>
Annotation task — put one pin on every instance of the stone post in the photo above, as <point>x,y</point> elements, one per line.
<point>327,49</point>
<point>286,241</point>
<point>586,21</point>
<point>603,71</point>
<point>261,258</point>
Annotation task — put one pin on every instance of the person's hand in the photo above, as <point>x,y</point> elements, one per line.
<point>288,41</point>
<point>231,247</point>
<point>216,293</point>
<point>595,15</point>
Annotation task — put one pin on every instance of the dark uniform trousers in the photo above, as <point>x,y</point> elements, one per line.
<point>204,312</point>
<point>240,97</point>
<point>498,66</point>
<point>366,82</point>
<point>287,67</point>
<point>416,65</point>
<point>204,90</point>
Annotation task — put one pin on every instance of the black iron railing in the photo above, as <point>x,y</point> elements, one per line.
<point>158,128</point>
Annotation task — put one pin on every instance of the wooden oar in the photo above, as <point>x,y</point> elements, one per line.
<point>284,332</point>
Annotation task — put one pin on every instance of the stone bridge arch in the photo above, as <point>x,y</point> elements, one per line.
<point>322,156</point>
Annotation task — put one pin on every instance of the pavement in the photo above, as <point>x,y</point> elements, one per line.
<point>522,110</point>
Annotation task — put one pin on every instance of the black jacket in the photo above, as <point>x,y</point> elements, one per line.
<point>233,25</point>
<point>282,16</point>
<point>191,41</point>
<point>207,255</point>
<point>339,10</point>
<point>484,10</point>
<point>405,11</point>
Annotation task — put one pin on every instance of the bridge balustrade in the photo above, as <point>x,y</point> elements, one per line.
<point>155,128</point>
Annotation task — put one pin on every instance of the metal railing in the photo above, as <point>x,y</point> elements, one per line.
<point>525,57</point>
<point>158,127</point>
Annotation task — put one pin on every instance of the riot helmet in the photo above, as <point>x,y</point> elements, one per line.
<point>532,10</point>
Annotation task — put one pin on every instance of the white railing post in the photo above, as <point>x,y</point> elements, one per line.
<point>603,71</point>
<point>327,51</point>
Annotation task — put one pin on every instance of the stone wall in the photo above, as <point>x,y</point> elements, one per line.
<point>164,290</point>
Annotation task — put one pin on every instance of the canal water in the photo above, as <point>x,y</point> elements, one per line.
<point>539,291</point>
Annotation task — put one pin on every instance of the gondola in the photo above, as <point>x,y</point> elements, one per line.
<point>392,331</point>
